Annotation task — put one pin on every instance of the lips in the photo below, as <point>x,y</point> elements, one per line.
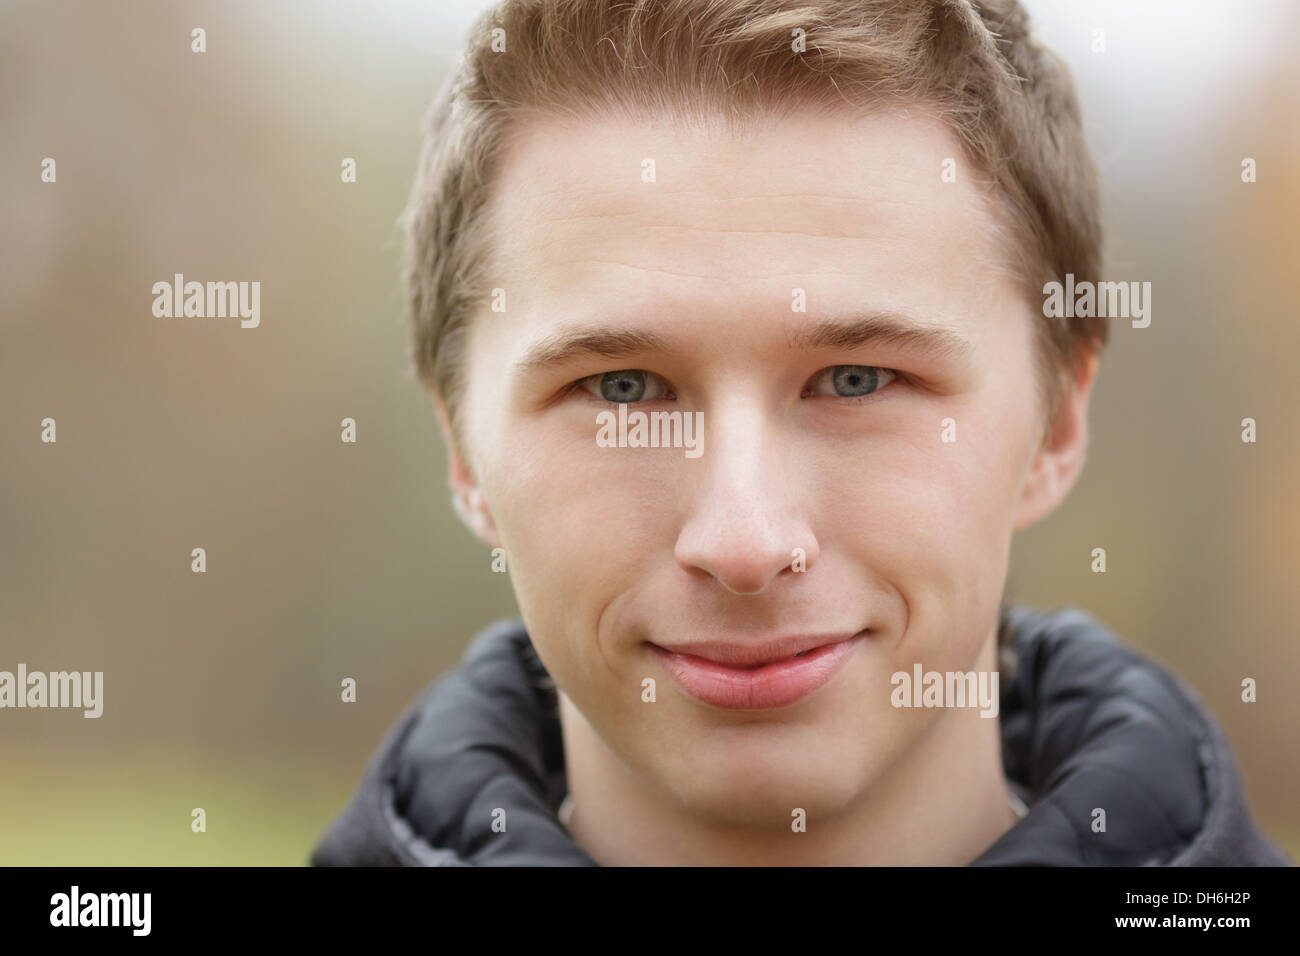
<point>758,676</point>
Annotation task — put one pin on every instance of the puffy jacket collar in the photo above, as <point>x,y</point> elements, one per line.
<point>1086,724</point>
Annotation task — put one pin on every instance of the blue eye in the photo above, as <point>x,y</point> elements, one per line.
<point>850,381</point>
<point>626,386</point>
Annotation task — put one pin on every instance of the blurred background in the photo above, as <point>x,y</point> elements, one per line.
<point>327,560</point>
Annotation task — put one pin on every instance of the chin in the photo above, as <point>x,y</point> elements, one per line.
<point>759,782</point>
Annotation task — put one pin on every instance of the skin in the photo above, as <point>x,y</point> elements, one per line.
<point>904,533</point>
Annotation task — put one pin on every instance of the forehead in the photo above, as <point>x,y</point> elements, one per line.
<point>854,208</point>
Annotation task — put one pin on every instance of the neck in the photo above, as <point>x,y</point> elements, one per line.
<point>942,804</point>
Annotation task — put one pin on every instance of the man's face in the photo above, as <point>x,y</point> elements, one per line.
<point>617,552</point>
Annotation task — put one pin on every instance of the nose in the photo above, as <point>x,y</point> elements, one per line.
<point>749,511</point>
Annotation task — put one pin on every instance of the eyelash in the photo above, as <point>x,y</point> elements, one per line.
<point>897,377</point>
<point>577,386</point>
<point>873,395</point>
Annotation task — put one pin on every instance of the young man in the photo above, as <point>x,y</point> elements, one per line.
<point>733,313</point>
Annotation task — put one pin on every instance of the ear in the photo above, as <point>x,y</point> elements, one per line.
<point>1059,459</point>
<point>466,497</point>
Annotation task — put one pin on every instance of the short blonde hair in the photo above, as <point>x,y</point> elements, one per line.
<point>1009,100</point>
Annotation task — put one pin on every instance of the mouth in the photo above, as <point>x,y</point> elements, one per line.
<point>758,676</point>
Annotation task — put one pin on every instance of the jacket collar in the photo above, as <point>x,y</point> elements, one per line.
<point>1091,732</point>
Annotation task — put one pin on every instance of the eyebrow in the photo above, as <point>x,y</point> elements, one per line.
<point>851,331</point>
<point>887,329</point>
<point>572,344</point>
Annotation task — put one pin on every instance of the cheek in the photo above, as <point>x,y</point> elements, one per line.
<point>580,525</point>
<point>933,526</point>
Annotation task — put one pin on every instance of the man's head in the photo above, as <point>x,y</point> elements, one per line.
<point>825,226</point>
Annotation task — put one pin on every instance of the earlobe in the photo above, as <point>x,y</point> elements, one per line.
<point>473,512</point>
<point>1057,463</point>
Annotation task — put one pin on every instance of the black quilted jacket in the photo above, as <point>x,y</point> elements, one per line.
<point>1086,722</point>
